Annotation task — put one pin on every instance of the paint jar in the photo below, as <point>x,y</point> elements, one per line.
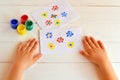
<point>21,29</point>
<point>24,18</point>
<point>29,25</point>
<point>14,23</point>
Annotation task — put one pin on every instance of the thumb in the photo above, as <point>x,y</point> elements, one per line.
<point>36,57</point>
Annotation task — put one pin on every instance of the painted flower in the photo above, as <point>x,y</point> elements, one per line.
<point>55,8</point>
<point>69,34</point>
<point>70,44</point>
<point>44,14</point>
<point>53,15</point>
<point>60,40</point>
<point>64,14</point>
<point>49,35</point>
<point>51,46</point>
<point>48,22</point>
<point>57,22</point>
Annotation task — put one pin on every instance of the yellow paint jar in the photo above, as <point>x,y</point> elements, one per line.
<point>21,29</point>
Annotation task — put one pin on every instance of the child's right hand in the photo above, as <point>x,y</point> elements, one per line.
<point>94,51</point>
<point>24,56</point>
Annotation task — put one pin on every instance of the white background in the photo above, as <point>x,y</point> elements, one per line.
<point>99,18</point>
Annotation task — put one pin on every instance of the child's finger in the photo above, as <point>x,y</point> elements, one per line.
<point>85,44</point>
<point>19,47</point>
<point>34,47</point>
<point>94,42</point>
<point>90,42</point>
<point>31,44</point>
<point>84,53</point>
<point>101,44</point>
<point>36,57</point>
<point>27,44</point>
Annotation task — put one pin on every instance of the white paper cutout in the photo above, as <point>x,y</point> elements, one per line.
<point>55,15</point>
<point>59,42</point>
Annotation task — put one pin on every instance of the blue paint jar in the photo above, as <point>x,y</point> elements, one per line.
<point>14,23</point>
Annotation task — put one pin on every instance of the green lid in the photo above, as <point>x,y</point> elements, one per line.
<point>29,25</point>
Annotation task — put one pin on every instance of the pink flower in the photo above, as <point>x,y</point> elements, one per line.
<point>60,40</point>
<point>55,8</point>
<point>48,22</point>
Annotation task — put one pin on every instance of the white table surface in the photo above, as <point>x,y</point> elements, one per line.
<point>99,18</point>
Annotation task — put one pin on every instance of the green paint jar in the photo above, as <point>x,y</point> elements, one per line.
<point>29,25</point>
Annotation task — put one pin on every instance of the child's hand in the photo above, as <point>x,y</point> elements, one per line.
<point>25,57</point>
<point>94,51</point>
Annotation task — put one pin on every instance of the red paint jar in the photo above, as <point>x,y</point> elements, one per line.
<point>24,18</point>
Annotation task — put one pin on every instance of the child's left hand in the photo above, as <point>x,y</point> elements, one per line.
<point>25,57</point>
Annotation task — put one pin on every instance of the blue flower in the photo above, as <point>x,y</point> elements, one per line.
<point>49,35</point>
<point>64,14</point>
<point>69,34</point>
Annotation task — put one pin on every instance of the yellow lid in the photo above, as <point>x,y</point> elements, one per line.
<point>21,29</point>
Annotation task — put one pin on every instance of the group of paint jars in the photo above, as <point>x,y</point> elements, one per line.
<point>22,26</point>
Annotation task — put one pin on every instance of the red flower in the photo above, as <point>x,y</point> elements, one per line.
<point>54,8</point>
<point>60,40</point>
<point>48,22</point>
